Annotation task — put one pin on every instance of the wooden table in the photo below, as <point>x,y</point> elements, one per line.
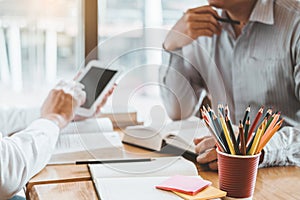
<point>74,181</point>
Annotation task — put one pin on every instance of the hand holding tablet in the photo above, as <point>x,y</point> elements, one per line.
<point>98,82</point>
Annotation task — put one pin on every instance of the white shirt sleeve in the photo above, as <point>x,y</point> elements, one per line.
<point>24,154</point>
<point>16,119</point>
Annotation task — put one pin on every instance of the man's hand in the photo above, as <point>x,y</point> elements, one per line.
<point>206,149</point>
<point>195,22</point>
<point>62,102</point>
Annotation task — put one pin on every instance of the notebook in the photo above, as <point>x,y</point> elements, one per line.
<point>137,180</point>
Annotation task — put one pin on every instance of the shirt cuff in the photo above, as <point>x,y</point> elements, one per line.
<point>274,156</point>
<point>44,125</point>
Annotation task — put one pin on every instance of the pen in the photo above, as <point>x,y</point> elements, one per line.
<point>84,162</point>
<point>226,20</point>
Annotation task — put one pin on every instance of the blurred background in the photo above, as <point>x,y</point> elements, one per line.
<point>42,42</point>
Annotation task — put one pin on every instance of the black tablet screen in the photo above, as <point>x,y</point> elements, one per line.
<point>94,83</point>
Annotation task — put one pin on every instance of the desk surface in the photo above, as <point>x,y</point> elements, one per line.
<point>74,181</point>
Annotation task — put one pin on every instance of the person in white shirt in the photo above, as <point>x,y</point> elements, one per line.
<point>26,152</point>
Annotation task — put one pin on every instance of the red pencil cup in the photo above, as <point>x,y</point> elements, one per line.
<point>237,174</point>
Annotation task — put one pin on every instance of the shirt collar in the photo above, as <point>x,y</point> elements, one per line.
<point>263,12</point>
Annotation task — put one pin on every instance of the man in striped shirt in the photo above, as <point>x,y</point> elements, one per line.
<point>256,62</point>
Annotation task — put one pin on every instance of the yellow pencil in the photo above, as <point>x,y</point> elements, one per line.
<point>257,138</point>
<point>227,136</point>
<point>266,138</point>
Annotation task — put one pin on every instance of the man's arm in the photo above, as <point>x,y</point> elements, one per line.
<point>24,154</point>
<point>182,87</point>
<point>13,119</point>
<point>284,147</point>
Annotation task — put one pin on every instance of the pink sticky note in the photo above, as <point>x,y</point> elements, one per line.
<point>185,184</point>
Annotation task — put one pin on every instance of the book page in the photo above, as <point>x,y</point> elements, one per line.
<point>91,125</point>
<point>83,140</point>
<point>132,188</point>
<point>182,134</point>
<point>162,166</point>
<point>143,136</point>
<point>88,141</point>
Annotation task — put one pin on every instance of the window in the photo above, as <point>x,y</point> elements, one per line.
<point>131,33</point>
<point>40,43</point>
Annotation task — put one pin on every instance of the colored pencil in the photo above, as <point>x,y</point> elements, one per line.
<point>220,132</point>
<point>256,141</point>
<point>254,124</point>
<point>273,122</point>
<point>247,111</point>
<point>247,128</point>
<point>227,136</point>
<point>226,110</point>
<point>242,136</point>
<point>232,136</point>
<point>216,137</point>
<point>267,136</point>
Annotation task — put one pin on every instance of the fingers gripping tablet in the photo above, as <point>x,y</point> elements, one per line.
<point>97,81</point>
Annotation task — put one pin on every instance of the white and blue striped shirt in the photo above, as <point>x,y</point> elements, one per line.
<point>259,67</point>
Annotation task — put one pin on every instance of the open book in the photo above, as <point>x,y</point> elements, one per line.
<point>137,180</point>
<point>121,116</point>
<point>88,139</point>
<point>178,134</point>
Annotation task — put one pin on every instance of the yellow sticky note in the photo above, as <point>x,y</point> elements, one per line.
<point>208,193</point>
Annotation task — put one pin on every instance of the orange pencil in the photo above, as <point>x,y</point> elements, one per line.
<point>273,122</point>
<point>267,136</point>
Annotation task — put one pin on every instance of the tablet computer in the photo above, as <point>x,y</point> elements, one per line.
<point>97,82</point>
